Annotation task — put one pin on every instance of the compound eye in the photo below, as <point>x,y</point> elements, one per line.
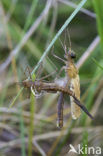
<point>73,55</point>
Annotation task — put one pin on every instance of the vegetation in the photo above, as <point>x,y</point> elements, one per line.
<point>29,32</point>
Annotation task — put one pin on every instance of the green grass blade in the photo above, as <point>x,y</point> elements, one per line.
<point>30,14</point>
<point>98,6</point>
<point>97,63</point>
<point>92,87</point>
<point>32,113</point>
<point>85,143</point>
<point>13,102</point>
<point>22,132</point>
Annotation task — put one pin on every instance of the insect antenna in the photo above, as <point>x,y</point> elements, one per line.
<point>57,56</point>
<point>70,44</point>
<point>62,44</point>
<point>65,43</point>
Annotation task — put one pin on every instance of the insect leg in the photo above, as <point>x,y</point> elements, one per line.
<point>39,71</point>
<point>52,52</point>
<point>60,110</point>
<point>47,76</point>
<point>57,76</point>
<point>27,69</point>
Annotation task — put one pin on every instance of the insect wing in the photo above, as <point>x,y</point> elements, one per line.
<point>75,87</point>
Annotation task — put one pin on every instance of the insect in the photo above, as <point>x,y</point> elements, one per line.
<point>72,80</point>
<point>39,86</point>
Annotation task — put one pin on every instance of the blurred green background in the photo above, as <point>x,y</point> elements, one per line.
<point>29,127</point>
